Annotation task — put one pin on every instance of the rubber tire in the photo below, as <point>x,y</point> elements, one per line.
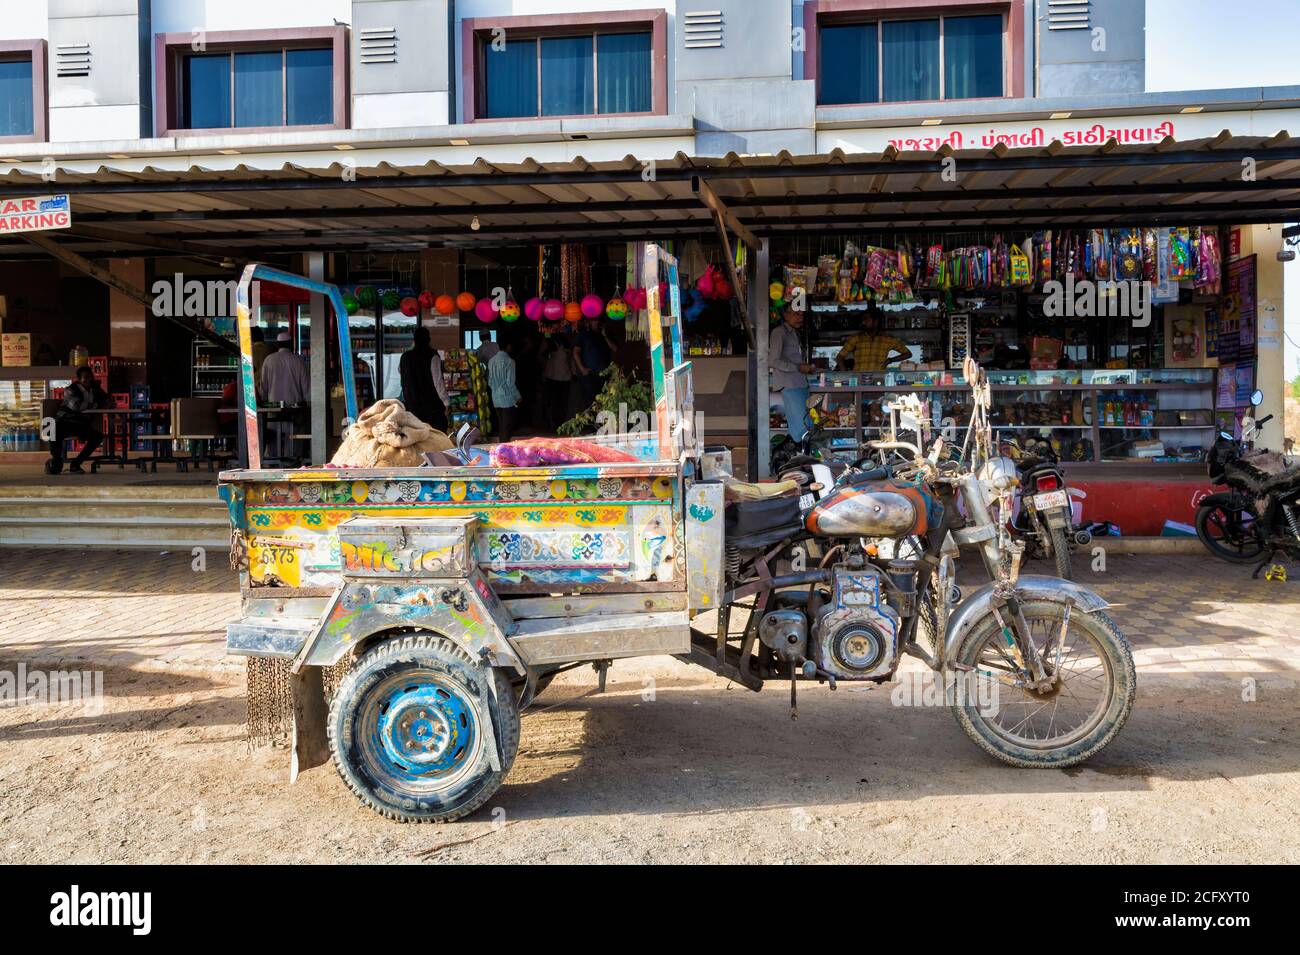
<point>1120,655</point>
<point>431,651</point>
<point>1202,518</point>
<point>1060,552</point>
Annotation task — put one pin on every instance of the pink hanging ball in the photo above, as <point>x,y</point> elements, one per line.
<point>484,310</point>
<point>592,305</point>
<point>553,310</point>
<point>533,309</point>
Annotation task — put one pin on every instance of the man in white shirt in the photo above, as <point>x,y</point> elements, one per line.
<point>789,372</point>
<point>285,379</point>
<point>505,394</point>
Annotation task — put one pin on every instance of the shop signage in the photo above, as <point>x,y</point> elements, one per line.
<point>16,350</point>
<point>1126,130</point>
<point>37,214</point>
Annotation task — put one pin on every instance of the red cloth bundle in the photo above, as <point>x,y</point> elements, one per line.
<point>540,452</point>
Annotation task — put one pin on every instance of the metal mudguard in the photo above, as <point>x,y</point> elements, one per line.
<point>1028,587</point>
<point>465,610</point>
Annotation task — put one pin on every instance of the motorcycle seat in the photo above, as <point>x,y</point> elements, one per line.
<point>759,523</point>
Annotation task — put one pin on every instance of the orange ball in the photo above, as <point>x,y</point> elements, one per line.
<point>445,304</point>
<point>572,312</point>
<point>465,301</point>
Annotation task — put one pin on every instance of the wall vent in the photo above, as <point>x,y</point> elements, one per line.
<point>702,28</point>
<point>379,45</point>
<point>1068,15</point>
<point>72,59</point>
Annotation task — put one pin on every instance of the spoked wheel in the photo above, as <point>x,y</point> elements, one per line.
<point>1057,726</point>
<point>1230,534</point>
<point>409,729</point>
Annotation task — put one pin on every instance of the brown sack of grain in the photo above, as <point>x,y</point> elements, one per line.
<point>386,435</point>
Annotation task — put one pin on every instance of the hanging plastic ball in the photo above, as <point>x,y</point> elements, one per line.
<point>444,304</point>
<point>592,305</point>
<point>367,297</point>
<point>391,301</point>
<point>616,309</point>
<point>533,309</point>
<point>722,290</point>
<point>410,306</point>
<point>553,310</point>
<point>509,310</point>
<point>465,301</point>
<point>427,299</point>
<point>572,312</point>
<point>350,303</point>
<point>705,283</point>
<point>484,310</point>
<point>776,291</point>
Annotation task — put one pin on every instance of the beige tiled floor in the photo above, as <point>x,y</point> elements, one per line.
<point>1184,615</point>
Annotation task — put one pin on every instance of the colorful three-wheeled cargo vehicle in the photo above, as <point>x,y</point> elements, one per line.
<point>441,600</point>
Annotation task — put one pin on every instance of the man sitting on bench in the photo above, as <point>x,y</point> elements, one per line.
<point>70,422</point>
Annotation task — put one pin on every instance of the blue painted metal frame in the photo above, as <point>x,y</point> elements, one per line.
<point>255,272</point>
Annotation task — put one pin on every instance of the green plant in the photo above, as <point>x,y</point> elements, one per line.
<point>618,392</point>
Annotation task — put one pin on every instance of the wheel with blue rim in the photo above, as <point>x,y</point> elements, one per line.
<point>411,729</point>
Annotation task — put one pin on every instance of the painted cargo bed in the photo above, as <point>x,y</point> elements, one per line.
<point>598,528</point>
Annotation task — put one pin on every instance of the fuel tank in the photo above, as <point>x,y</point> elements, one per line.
<point>870,509</point>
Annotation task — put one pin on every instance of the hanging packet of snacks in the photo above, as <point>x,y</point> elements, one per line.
<point>828,267</point>
<point>1128,255</point>
<point>1180,253</point>
<point>1209,267</point>
<point>1165,291</point>
<point>933,264</point>
<point>1099,253</point>
<point>1043,266</point>
<point>1150,256</point>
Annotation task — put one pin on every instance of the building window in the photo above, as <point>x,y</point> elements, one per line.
<point>899,61</point>
<point>17,105</point>
<point>578,75</point>
<point>257,88</point>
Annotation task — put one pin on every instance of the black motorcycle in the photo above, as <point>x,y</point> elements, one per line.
<point>1044,519</point>
<point>1259,515</point>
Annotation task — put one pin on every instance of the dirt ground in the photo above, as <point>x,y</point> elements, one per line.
<point>702,772</point>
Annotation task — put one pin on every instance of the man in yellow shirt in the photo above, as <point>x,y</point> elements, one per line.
<point>869,349</point>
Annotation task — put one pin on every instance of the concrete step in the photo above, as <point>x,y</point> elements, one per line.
<point>157,517</point>
<point>179,512</point>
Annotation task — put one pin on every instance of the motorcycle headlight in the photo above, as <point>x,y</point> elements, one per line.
<point>998,475</point>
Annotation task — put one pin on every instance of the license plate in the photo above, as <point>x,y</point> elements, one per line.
<point>806,502</point>
<point>1043,502</point>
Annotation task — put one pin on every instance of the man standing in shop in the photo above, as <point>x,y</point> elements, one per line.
<point>789,372</point>
<point>81,396</point>
<point>285,380</point>
<point>505,394</point>
<point>870,349</point>
<point>419,390</point>
<point>591,356</point>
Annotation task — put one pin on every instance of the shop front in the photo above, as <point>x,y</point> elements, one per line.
<point>1123,351</point>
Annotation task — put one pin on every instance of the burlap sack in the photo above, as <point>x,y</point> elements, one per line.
<point>386,435</point>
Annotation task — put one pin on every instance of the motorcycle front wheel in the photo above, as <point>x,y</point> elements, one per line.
<point>1081,713</point>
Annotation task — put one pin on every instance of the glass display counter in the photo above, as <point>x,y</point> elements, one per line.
<point>1101,415</point>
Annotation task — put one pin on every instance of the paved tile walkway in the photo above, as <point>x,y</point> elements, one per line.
<point>1184,615</point>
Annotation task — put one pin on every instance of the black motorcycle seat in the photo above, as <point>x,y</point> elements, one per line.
<point>753,524</point>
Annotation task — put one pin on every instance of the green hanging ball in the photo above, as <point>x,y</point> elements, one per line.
<point>391,301</point>
<point>367,297</point>
<point>350,303</point>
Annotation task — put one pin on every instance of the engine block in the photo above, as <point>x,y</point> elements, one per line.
<point>855,637</point>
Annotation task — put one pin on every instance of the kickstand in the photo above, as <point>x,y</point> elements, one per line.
<point>1267,560</point>
<point>602,670</point>
<point>794,704</point>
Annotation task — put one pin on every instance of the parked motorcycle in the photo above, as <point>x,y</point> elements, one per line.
<point>1044,519</point>
<point>825,604</point>
<point>1259,514</point>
